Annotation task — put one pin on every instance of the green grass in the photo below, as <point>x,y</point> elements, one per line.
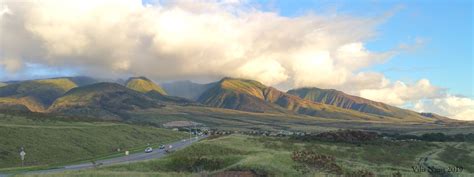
<point>227,119</point>
<point>96,173</point>
<point>51,142</point>
<point>272,156</point>
<point>461,156</point>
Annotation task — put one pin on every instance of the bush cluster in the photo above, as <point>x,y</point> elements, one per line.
<point>309,160</point>
<point>348,136</point>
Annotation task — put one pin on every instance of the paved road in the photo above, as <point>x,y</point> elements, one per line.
<point>157,153</point>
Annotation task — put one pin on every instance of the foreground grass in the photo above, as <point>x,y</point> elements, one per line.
<point>461,155</point>
<point>267,156</point>
<point>271,156</point>
<point>53,142</point>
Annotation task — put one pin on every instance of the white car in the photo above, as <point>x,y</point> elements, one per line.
<point>148,150</point>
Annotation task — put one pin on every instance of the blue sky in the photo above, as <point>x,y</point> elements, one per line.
<point>444,27</point>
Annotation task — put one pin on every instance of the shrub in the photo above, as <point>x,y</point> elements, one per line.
<point>347,136</point>
<point>397,174</point>
<point>308,160</point>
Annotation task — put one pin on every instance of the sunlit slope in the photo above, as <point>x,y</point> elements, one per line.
<point>249,95</point>
<point>154,91</point>
<point>102,100</point>
<point>346,101</point>
<point>144,85</point>
<point>36,95</point>
<point>245,95</point>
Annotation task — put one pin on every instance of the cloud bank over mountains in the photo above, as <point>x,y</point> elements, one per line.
<point>177,40</point>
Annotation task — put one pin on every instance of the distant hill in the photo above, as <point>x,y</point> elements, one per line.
<point>36,95</point>
<point>244,95</point>
<point>433,115</point>
<point>166,99</point>
<point>249,95</point>
<point>83,80</point>
<point>154,91</point>
<point>103,100</point>
<point>346,101</point>
<point>186,89</point>
<point>144,85</point>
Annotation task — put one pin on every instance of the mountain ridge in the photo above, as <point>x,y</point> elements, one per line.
<point>253,96</point>
<point>36,95</point>
<point>84,95</point>
<point>346,101</point>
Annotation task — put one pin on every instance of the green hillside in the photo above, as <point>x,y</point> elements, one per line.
<point>238,94</point>
<point>82,80</point>
<point>102,100</point>
<point>49,140</point>
<point>248,95</point>
<point>2,84</point>
<point>36,95</point>
<point>346,101</point>
<point>144,85</point>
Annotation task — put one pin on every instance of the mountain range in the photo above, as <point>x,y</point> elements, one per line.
<point>85,96</point>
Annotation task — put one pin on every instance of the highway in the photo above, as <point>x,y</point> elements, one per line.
<point>135,157</point>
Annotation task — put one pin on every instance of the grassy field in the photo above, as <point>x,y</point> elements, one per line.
<point>271,156</point>
<point>461,155</point>
<point>50,142</point>
<point>227,119</point>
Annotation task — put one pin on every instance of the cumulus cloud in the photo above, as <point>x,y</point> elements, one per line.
<point>11,64</point>
<point>176,39</point>
<point>452,106</point>
<point>170,40</point>
<point>399,93</point>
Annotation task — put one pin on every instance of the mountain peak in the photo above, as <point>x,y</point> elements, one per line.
<point>144,85</point>
<point>251,87</point>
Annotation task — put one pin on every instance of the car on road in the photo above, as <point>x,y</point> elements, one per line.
<point>148,150</point>
<point>162,146</point>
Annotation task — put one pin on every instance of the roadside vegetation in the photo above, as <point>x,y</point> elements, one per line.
<point>461,155</point>
<point>243,155</point>
<point>52,141</point>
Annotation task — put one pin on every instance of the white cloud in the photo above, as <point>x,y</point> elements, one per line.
<point>451,106</point>
<point>266,71</point>
<point>177,39</point>
<point>11,64</point>
<point>400,93</point>
<point>206,39</point>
